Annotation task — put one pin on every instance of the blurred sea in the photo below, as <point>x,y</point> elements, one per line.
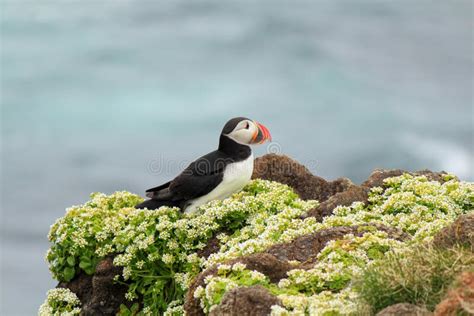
<point>121,95</point>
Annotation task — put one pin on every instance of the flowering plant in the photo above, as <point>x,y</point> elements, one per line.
<point>410,203</point>
<point>60,302</point>
<point>158,248</point>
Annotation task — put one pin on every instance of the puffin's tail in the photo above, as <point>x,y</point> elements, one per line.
<point>152,204</point>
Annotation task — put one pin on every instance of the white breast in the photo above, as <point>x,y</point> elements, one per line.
<point>236,176</point>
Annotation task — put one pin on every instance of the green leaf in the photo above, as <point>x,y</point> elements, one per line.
<point>84,265</point>
<point>134,308</point>
<point>69,273</point>
<point>90,270</point>
<point>71,261</point>
<point>124,311</point>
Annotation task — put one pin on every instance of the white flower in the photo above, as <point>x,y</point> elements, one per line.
<point>238,267</point>
<point>198,293</point>
<point>60,301</point>
<point>111,224</point>
<point>257,276</point>
<point>223,268</point>
<point>167,258</point>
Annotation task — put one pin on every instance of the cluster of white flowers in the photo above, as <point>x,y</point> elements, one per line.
<point>264,230</point>
<point>410,203</point>
<point>325,288</point>
<point>322,289</point>
<point>324,303</point>
<point>157,248</point>
<point>228,277</point>
<point>60,302</point>
<point>161,244</point>
<point>175,308</point>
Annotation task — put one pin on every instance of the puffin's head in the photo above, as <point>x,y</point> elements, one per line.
<point>245,131</point>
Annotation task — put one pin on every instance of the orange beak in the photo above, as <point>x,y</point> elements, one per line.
<point>261,135</point>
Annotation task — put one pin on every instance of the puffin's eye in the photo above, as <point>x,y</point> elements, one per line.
<point>247,125</point>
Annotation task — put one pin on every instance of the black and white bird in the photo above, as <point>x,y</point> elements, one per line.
<point>216,175</point>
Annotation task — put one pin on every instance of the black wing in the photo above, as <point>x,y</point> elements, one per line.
<point>154,192</point>
<point>198,179</point>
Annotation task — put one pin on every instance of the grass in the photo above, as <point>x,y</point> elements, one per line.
<point>420,275</point>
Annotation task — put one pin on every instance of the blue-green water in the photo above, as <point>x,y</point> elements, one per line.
<point>112,95</point>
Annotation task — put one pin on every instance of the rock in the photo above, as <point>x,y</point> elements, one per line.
<point>285,170</point>
<point>432,176</point>
<point>378,175</point>
<point>459,299</point>
<point>274,261</point>
<point>264,263</point>
<point>353,194</point>
<point>213,245</point>
<point>306,248</point>
<point>81,285</point>
<point>246,301</point>
<point>460,232</point>
<point>99,294</point>
<point>404,309</point>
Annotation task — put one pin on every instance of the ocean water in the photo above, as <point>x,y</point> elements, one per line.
<point>121,95</point>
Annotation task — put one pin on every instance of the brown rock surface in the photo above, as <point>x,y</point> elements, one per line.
<point>306,248</point>
<point>81,285</point>
<point>285,170</point>
<point>213,245</point>
<point>246,301</point>
<point>264,263</point>
<point>404,309</point>
<point>274,261</point>
<point>459,299</point>
<point>378,175</point>
<point>460,232</point>
<point>352,194</point>
<point>99,294</point>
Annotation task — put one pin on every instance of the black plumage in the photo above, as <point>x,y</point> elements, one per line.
<point>202,175</point>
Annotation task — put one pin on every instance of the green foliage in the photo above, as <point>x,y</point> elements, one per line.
<point>77,236</point>
<point>227,278</point>
<point>419,275</point>
<point>129,311</point>
<point>156,248</point>
<point>409,203</point>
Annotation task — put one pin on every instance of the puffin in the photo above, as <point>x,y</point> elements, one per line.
<point>214,176</point>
